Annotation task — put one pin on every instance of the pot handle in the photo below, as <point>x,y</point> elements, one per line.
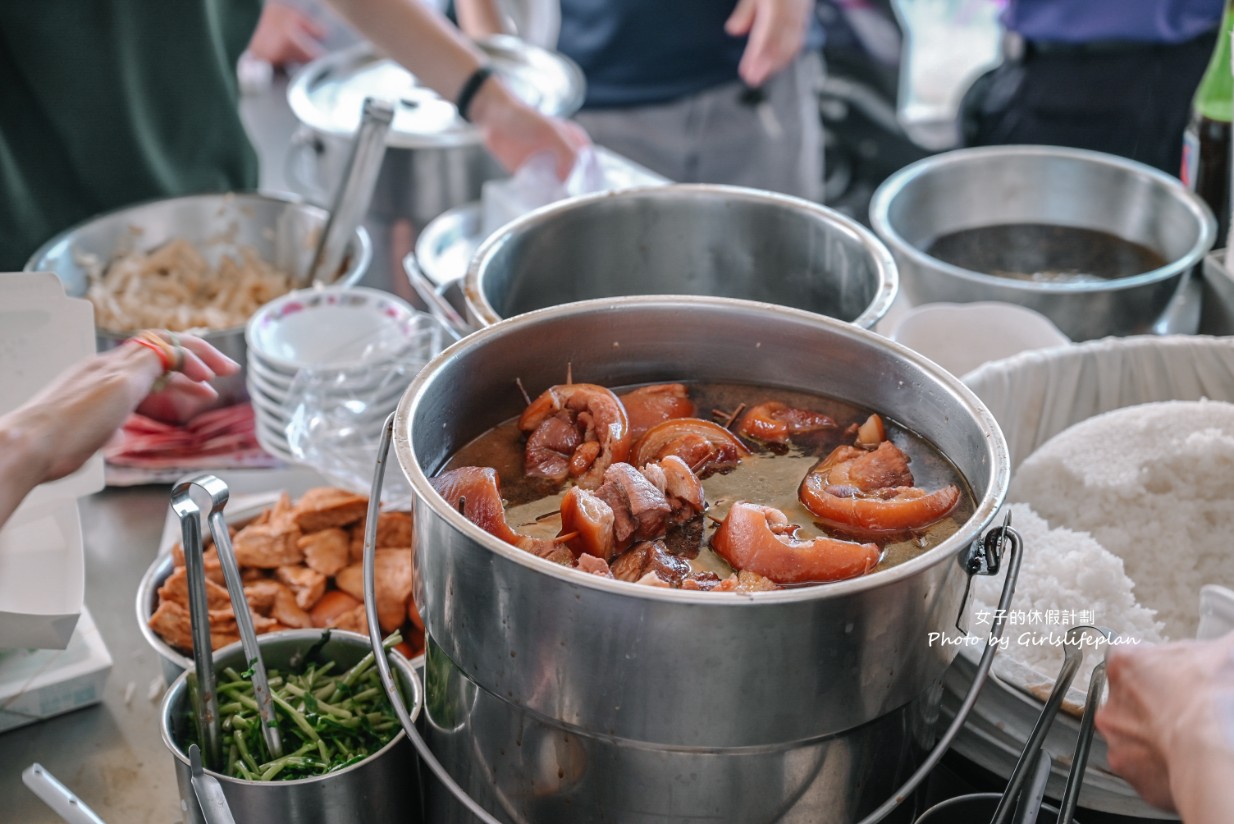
<point>434,301</point>
<point>374,634</point>
<point>985,559</point>
<point>302,156</point>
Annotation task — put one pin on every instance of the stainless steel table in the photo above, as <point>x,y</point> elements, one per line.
<point>110,754</point>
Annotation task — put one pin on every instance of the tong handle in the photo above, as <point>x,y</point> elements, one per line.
<point>204,697</point>
<point>1073,656</point>
<point>219,494</point>
<point>240,607</point>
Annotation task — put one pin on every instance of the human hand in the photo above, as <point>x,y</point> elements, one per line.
<point>74,416</point>
<point>514,131</point>
<point>1169,724</point>
<point>286,35</point>
<point>777,30</point>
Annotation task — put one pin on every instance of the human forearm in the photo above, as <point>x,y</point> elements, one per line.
<point>22,465</point>
<point>417,37</point>
<point>480,18</point>
<point>425,43</point>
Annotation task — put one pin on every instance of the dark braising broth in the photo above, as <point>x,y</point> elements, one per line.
<point>1044,252</point>
<point>770,476</point>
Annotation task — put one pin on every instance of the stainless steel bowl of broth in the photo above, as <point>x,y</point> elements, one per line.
<point>554,694</point>
<point>1097,243</point>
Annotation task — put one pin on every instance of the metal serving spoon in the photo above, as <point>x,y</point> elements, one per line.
<point>209,792</point>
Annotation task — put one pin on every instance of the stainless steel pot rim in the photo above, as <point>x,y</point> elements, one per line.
<point>883,260</point>
<point>463,133</point>
<point>307,636</point>
<point>150,582</point>
<point>988,503</point>
<point>441,233</point>
<point>885,195</point>
<point>361,238</point>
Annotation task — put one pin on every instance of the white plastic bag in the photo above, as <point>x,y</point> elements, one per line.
<point>535,184</point>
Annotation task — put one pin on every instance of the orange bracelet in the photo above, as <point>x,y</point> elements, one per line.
<point>156,349</point>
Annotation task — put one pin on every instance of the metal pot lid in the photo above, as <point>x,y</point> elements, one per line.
<point>328,93</point>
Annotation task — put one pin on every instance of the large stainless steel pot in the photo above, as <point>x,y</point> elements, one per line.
<point>559,696</point>
<point>684,239</point>
<point>282,229</point>
<point>434,160</point>
<point>996,185</point>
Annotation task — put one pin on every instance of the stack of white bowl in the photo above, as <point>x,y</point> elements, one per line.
<point>345,349</point>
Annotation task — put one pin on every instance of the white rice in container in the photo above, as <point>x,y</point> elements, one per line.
<point>1130,515</point>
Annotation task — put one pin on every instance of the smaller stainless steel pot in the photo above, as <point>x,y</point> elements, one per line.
<point>379,788</point>
<point>996,185</point>
<point>722,241</point>
<point>282,229</point>
<point>434,160</point>
<point>446,245</point>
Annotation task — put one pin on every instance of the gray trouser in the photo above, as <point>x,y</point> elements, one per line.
<point>714,137</point>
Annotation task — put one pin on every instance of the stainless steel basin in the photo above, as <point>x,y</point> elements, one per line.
<point>1046,185</point>
<point>722,241</point>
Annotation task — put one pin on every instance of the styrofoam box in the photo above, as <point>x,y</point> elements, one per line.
<point>37,684</point>
<point>42,563</point>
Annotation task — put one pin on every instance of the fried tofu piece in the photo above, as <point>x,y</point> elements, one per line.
<point>324,507</point>
<point>327,550</point>
<point>393,581</point>
<point>353,620</point>
<point>176,588</point>
<point>261,594</point>
<point>307,584</point>
<point>288,612</point>
<point>282,513</point>
<point>268,545</point>
<point>393,531</point>
<point>173,624</point>
<point>214,568</point>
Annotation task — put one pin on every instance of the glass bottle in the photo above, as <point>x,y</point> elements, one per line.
<point>1207,144</point>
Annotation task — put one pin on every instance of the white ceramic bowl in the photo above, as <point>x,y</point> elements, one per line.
<point>962,336</point>
<point>334,327</point>
<point>269,374</point>
<point>273,439</point>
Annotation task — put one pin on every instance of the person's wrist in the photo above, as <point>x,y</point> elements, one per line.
<point>480,77</point>
<point>491,103</point>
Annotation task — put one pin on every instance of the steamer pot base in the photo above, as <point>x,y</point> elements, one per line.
<point>523,767</point>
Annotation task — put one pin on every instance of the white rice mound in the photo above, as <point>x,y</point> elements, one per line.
<point>1152,485</point>
<point>1066,579</point>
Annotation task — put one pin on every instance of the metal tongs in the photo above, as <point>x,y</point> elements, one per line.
<point>1033,755</point>
<point>1024,802</point>
<point>355,190</point>
<point>205,698</point>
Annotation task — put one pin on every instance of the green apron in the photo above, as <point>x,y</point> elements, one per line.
<point>104,103</point>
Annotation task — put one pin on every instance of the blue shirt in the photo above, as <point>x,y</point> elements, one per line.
<point>1083,21</point>
<point>639,52</point>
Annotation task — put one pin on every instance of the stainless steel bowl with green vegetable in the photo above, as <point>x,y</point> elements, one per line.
<point>345,755</point>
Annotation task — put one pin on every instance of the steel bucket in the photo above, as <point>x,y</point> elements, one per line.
<point>684,239</point>
<point>559,696</point>
<point>380,788</point>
